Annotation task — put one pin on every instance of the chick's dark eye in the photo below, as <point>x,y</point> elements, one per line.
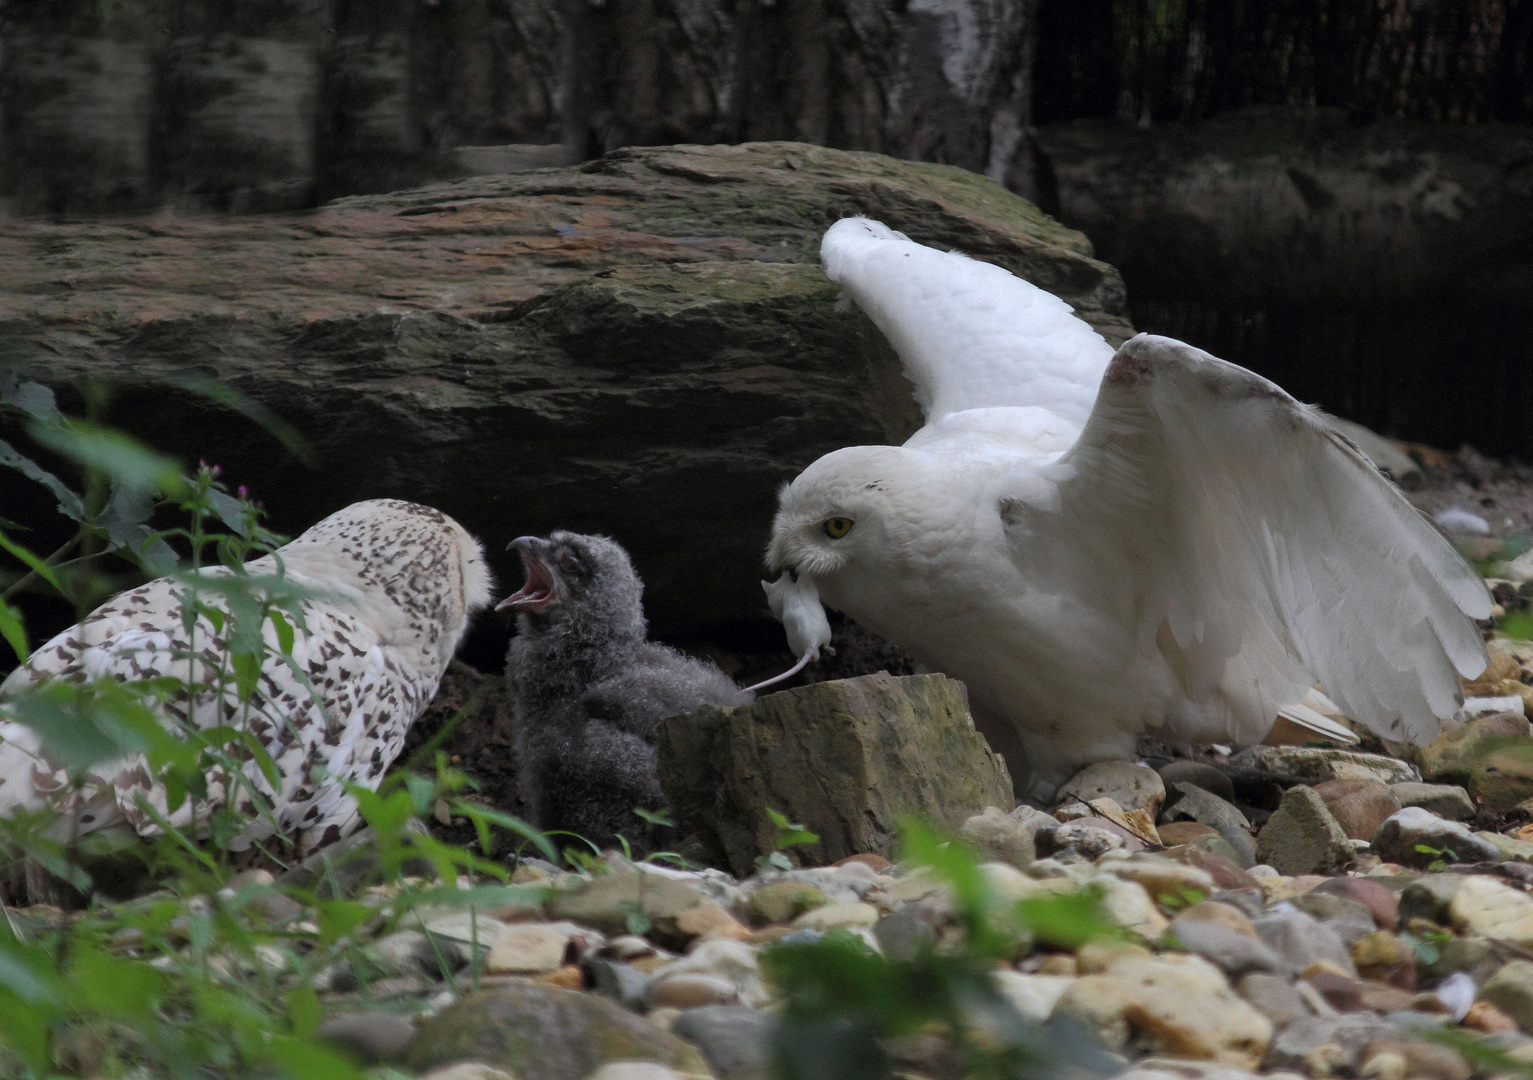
<point>570,564</point>
<point>837,527</point>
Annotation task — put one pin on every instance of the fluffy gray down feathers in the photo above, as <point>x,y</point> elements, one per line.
<point>590,691</point>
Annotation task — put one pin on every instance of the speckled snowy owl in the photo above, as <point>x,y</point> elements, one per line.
<point>395,584</point>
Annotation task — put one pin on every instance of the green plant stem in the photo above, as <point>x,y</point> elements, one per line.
<point>52,560</point>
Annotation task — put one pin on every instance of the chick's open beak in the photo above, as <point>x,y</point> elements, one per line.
<point>542,586</point>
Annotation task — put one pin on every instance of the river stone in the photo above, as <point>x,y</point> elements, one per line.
<point>1445,800</point>
<point>638,343</point>
<point>1189,802</point>
<point>1349,919</point>
<point>1401,837</point>
<point>1484,907</point>
<point>1511,991</point>
<point>1335,1043</point>
<point>1359,805</point>
<point>370,1037</point>
<point>1301,837</point>
<point>1381,902</point>
<point>1314,765</point>
<point>999,837</point>
<point>1275,997</point>
<point>1214,781</point>
<point>1464,751</point>
<point>735,1040</point>
<point>1511,848</point>
<point>896,747</point>
<point>1429,896</point>
<point>543,1031</point>
<point>1301,940</point>
<point>1131,786</point>
<point>1174,1004</point>
<point>1231,951</point>
<point>607,901</point>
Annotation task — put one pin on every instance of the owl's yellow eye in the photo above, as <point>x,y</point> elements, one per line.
<point>837,527</point>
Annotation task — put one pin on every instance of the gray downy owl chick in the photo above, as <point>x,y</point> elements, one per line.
<point>590,691</point>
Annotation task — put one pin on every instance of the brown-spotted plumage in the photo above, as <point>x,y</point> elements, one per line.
<point>394,585</point>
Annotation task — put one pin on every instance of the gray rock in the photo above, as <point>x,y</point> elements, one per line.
<point>1189,802</point>
<point>736,1040</point>
<point>534,1030</point>
<point>896,746</point>
<point>1314,765</point>
<point>1300,939</point>
<point>1032,819</point>
<point>410,951</point>
<point>1212,780</point>
<point>370,1037</point>
<point>1343,1037</point>
<point>1086,839</point>
<point>607,900</point>
<point>908,930</point>
<point>1230,950</point>
<point>1131,786</point>
<point>1401,838</point>
<point>623,983</point>
<point>1511,991</point>
<point>1349,919</point>
<point>999,837</point>
<point>1359,805</point>
<point>1274,996</point>
<point>1302,837</point>
<point>1445,800</point>
<point>1428,897</point>
<point>677,353</point>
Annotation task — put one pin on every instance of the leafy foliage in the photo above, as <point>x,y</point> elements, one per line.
<point>846,1001</point>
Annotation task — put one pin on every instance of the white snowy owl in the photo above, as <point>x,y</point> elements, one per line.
<point>395,584</point>
<point>1106,544</point>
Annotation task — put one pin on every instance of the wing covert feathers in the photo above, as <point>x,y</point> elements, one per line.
<point>1268,552</point>
<point>970,334</point>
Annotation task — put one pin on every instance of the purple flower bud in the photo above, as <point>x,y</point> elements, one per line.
<point>244,492</point>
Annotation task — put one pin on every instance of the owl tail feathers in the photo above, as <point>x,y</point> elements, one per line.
<point>1304,714</point>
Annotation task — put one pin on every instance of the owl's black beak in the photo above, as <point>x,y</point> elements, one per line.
<point>541,588</point>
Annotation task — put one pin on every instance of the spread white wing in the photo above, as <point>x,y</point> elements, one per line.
<point>1259,551</point>
<point>972,336</point>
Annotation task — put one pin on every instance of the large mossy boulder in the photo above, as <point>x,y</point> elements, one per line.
<point>847,759</point>
<point>643,345</point>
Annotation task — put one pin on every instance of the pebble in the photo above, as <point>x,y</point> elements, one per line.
<point>1510,991</point>
<point>1131,786</point>
<point>1212,780</point>
<point>1445,800</point>
<point>1359,806</point>
<point>527,949</point>
<point>623,983</point>
<point>1428,897</point>
<point>1129,905</point>
<point>1301,837</point>
<point>999,837</point>
<point>708,919</point>
<point>1232,952</point>
<point>687,990</point>
<point>1086,839</point>
<point>838,916</point>
<point>1314,765</point>
<point>467,1070</point>
<point>1301,940</point>
<point>370,1037</point>
<point>608,901</point>
<point>1378,898</point>
<point>1274,996</point>
<point>1401,837</point>
<point>1349,919</point>
<point>1226,915</point>
<point>1327,1045</point>
<point>782,901</point>
<point>1484,907</point>
<point>735,962</point>
<point>1385,957</point>
<point>1034,996</point>
<point>635,1070</point>
<point>735,1040</point>
<point>1179,1005</point>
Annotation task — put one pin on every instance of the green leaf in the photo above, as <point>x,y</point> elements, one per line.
<point>304,1060</point>
<point>14,632</point>
<point>43,570</point>
<point>70,504</point>
<point>1068,920</point>
<point>24,1029</point>
<point>340,917</point>
<point>303,1010</point>
<point>284,631</point>
<point>789,833</point>
<point>113,987</point>
<point>126,460</point>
